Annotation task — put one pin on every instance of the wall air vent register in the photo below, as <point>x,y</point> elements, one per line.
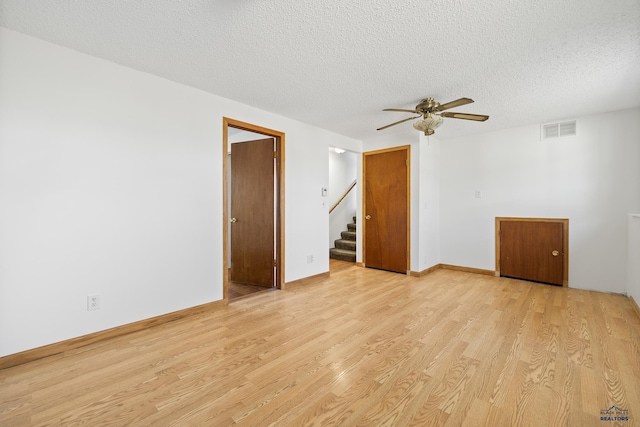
<point>559,130</point>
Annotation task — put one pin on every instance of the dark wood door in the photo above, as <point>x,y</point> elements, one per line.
<point>252,212</point>
<point>386,189</point>
<point>532,250</point>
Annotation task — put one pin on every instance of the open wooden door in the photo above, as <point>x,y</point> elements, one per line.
<point>386,209</point>
<point>252,212</point>
<point>533,250</point>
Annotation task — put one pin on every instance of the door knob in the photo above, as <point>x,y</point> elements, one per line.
<point>367,217</point>
<point>234,220</point>
<point>555,253</point>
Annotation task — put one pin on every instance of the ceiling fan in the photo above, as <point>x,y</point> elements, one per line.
<point>432,114</point>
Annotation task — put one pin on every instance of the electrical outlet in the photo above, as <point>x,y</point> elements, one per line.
<point>93,302</point>
<point>309,259</point>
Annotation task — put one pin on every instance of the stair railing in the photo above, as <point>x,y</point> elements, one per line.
<point>346,193</point>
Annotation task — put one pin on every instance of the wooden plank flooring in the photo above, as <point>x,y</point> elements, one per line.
<point>338,265</point>
<point>237,290</point>
<point>361,348</point>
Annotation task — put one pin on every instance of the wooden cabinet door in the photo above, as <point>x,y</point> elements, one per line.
<point>386,207</point>
<point>252,212</point>
<point>532,250</point>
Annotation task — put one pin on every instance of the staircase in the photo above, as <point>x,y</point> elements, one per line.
<point>345,248</point>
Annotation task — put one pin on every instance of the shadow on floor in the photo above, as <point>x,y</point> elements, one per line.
<point>238,290</point>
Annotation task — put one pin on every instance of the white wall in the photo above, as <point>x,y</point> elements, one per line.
<point>429,202</point>
<point>593,179</point>
<point>239,135</point>
<point>111,184</point>
<point>633,257</point>
<point>342,173</point>
<point>425,203</point>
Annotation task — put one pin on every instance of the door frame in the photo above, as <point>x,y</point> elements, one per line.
<point>364,201</point>
<point>565,242</point>
<point>279,212</point>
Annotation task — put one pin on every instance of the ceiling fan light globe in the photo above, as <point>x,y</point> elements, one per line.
<point>428,124</point>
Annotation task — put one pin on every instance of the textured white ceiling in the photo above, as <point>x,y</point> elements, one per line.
<point>336,64</point>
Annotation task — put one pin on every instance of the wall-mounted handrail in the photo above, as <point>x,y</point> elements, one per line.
<point>353,184</point>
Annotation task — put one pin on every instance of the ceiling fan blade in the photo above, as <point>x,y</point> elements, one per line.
<point>465,116</point>
<point>398,122</point>
<point>452,104</point>
<point>401,110</point>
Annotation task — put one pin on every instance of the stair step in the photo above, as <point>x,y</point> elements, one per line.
<point>342,254</point>
<point>348,235</point>
<point>351,227</point>
<point>349,245</point>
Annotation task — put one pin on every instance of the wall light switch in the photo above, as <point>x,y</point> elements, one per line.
<point>478,194</point>
<point>324,192</point>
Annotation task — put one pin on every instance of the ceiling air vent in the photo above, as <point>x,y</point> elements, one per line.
<point>557,130</point>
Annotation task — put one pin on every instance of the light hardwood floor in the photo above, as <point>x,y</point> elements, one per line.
<point>240,290</point>
<point>364,348</point>
<point>337,265</point>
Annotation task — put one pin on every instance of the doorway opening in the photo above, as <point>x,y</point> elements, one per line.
<point>253,208</point>
<point>342,201</point>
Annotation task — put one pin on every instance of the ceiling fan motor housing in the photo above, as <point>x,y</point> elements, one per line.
<point>427,105</point>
